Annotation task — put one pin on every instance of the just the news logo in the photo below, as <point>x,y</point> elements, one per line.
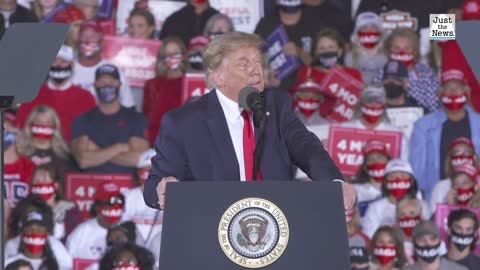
<point>442,26</point>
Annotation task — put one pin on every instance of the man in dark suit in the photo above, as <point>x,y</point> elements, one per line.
<point>11,12</point>
<point>213,138</point>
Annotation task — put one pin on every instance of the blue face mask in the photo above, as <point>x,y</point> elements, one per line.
<point>9,139</point>
<point>107,94</point>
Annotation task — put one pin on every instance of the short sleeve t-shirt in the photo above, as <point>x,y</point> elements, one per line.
<point>106,130</point>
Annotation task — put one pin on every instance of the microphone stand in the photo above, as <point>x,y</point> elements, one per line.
<point>259,145</point>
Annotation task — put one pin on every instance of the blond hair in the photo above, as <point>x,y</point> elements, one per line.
<point>403,32</point>
<point>161,69</point>
<point>225,44</point>
<point>59,146</point>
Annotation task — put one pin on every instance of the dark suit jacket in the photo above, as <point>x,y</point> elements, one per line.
<point>194,143</point>
<point>21,14</point>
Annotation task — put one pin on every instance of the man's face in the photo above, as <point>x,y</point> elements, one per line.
<point>453,87</point>
<point>8,5</point>
<point>107,80</point>
<point>60,62</point>
<point>409,209</point>
<point>464,226</point>
<point>427,240</point>
<point>239,69</point>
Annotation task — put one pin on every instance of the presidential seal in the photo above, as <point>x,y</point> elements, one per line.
<point>253,232</point>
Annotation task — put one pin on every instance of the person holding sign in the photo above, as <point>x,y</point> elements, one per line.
<point>398,183</point>
<point>371,115</point>
<point>233,62</point>
<point>433,133</point>
<point>367,39</point>
<point>462,233</point>
<point>164,92</point>
<point>461,151</point>
<point>371,173</point>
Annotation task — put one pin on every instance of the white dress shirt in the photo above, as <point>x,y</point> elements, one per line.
<point>233,114</point>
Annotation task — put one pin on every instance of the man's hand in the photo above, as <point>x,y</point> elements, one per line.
<point>162,188</point>
<point>349,197</point>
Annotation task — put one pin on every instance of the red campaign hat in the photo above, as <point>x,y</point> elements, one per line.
<point>467,169</point>
<point>461,140</point>
<point>91,24</point>
<point>106,190</point>
<point>453,74</point>
<point>68,15</point>
<point>375,146</point>
<point>471,10</point>
<point>308,84</point>
<point>199,41</point>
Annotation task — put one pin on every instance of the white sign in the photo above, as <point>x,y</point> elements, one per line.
<point>160,9</point>
<point>442,26</point>
<point>404,118</point>
<point>245,14</point>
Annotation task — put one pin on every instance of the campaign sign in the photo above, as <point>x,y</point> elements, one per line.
<point>398,19</point>
<point>345,146</point>
<point>193,86</point>
<point>16,190</point>
<point>80,187</point>
<point>108,27</point>
<point>346,89</point>
<point>244,14</point>
<point>136,57</point>
<point>404,118</point>
<point>441,219</point>
<point>280,63</point>
<point>160,9</point>
<point>82,264</point>
<point>105,9</point>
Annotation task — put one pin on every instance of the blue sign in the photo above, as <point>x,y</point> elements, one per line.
<point>281,64</point>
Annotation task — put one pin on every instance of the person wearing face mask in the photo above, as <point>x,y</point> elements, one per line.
<point>147,220</point>
<point>433,133</point>
<point>371,115</point>
<point>398,183</point>
<point>464,185</point>
<point>312,103</point>
<point>196,45</point>
<point>462,234</point>
<point>395,81</point>
<point>35,246</point>
<point>74,17</point>
<point>88,240</point>
<point>127,256</point>
<point>426,241</point>
<point>164,92</point>
<point>371,173</point>
<point>460,151</point>
<point>65,213</point>
<point>367,46</point>
<point>402,45</point>
<point>59,93</point>
<point>110,138</point>
<point>300,33</point>
<point>90,58</point>
<point>189,21</point>
<point>218,25</point>
<point>386,249</point>
<point>409,214</point>
<point>358,244</point>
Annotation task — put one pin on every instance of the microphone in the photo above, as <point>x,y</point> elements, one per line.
<point>251,99</point>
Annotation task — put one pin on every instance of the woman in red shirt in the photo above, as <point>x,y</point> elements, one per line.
<point>163,92</point>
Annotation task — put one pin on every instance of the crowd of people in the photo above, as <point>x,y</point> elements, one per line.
<point>87,118</point>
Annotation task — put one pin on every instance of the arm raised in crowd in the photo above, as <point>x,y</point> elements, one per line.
<point>130,158</point>
<point>88,154</point>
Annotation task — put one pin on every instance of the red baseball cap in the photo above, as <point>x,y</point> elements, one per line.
<point>467,169</point>
<point>471,10</point>
<point>453,74</point>
<point>68,15</point>
<point>91,24</point>
<point>461,140</point>
<point>375,146</point>
<point>106,190</point>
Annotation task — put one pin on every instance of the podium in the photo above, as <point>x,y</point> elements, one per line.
<point>274,225</point>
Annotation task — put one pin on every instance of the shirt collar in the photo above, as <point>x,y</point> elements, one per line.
<point>231,109</point>
<point>61,88</point>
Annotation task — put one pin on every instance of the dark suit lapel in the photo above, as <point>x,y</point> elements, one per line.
<point>217,124</point>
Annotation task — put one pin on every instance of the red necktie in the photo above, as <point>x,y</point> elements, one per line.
<point>249,147</point>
